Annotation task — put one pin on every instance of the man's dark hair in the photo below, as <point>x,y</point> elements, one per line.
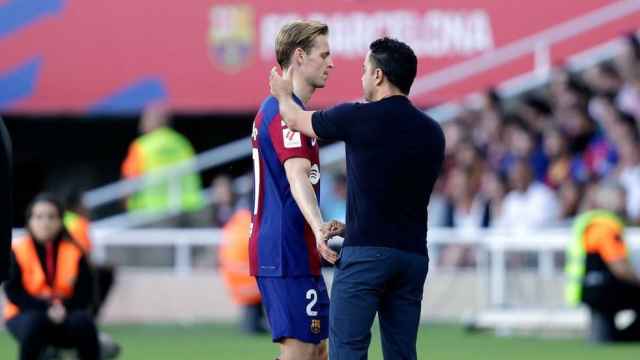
<point>397,61</point>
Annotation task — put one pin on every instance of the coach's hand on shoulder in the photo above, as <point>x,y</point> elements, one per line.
<point>323,248</point>
<point>281,86</point>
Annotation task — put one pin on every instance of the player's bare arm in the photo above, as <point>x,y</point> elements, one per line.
<point>296,118</point>
<point>297,170</point>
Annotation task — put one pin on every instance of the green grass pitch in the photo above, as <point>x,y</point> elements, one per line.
<point>438,342</point>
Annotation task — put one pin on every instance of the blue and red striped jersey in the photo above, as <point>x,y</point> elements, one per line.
<point>282,243</point>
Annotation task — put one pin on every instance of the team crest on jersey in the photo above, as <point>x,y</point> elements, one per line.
<point>292,139</point>
<point>315,326</point>
<point>231,35</point>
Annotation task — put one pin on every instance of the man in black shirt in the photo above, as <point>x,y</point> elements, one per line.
<point>394,155</point>
<point>5,200</point>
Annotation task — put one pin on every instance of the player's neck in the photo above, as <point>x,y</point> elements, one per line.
<point>302,89</point>
<point>385,92</point>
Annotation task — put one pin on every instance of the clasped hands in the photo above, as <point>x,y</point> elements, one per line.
<point>323,234</point>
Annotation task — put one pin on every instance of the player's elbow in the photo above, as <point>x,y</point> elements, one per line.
<point>297,169</point>
<point>296,175</point>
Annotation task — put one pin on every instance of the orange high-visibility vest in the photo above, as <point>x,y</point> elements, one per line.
<point>234,260</point>
<point>33,275</point>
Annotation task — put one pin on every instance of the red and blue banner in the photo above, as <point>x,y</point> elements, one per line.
<point>95,56</point>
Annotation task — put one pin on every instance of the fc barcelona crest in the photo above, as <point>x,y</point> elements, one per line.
<point>231,35</point>
<point>315,326</point>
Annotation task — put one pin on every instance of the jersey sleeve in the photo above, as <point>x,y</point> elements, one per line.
<point>336,123</point>
<point>607,241</point>
<point>289,144</point>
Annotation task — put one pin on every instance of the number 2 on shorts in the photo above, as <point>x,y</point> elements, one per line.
<point>313,296</point>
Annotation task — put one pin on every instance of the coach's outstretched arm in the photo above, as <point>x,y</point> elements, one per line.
<point>298,171</point>
<point>296,118</point>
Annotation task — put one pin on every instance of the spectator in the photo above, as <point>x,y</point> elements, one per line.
<point>494,189</point>
<point>466,208</point>
<point>628,173</point>
<point>577,125</point>
<point>536,114</point>
<point>604,79</point>
<point>523,204</point>
<point>491,101</point>
<point>569,196</point>
<point>629,58</point>
<point>563,166</point>
<point>158,147</point>
<point>521,144</point>
<point>224,200</point>
<point>628,100</point>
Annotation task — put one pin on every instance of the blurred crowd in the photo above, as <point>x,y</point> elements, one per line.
<point>536,160</point>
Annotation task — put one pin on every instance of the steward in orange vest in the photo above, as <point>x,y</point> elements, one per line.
<point>50,289</point>
<point>234,267</point>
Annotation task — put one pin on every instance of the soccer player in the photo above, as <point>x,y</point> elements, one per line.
<point>394,155</point>
<point>286,236</point>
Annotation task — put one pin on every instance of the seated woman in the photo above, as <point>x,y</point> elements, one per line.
<point>50,289</point>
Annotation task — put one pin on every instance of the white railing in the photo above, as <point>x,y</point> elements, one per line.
<point>538,43</point>
<point>491,249</point>
<point>208,159</point>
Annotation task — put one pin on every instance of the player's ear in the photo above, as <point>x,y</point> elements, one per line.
<point>379,76</point>
<point>298,56</point>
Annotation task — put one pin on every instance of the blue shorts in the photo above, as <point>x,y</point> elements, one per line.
<point>297,307</point>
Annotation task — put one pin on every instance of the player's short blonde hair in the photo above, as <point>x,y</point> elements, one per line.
<point>297,34</point>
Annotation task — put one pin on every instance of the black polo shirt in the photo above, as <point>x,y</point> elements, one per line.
<point>394,155</point>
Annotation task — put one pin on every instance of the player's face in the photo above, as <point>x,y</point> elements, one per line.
<point>368,78</point>
<point>317,63</point>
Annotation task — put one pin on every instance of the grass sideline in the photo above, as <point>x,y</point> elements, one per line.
<point>439,342</point>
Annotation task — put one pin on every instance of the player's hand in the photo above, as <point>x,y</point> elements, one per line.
<point>281,87</point>
<point>333,228</point>
<point>323,248</point>
<point>56,312</point>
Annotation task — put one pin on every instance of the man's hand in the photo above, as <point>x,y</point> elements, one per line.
<point>281,86</point>
<point>57,313</point>
<point>333,228</point>
<point>323,248</point>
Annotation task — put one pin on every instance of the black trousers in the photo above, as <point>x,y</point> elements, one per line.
<point>34,331</point>
<point>370,281</point>
<point>605,302</point>
<point>104,276</point>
